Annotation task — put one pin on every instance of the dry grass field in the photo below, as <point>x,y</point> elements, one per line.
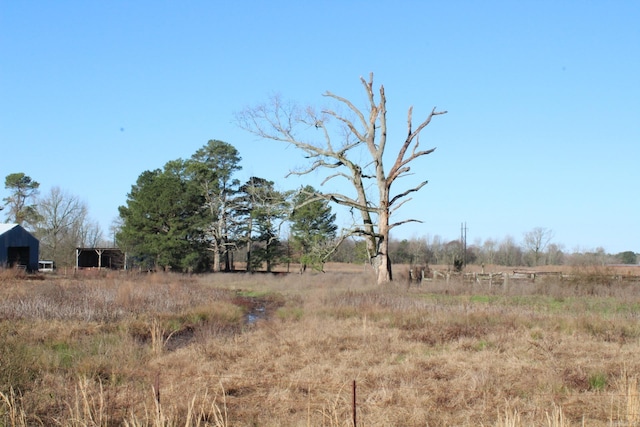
<point>116,349</point>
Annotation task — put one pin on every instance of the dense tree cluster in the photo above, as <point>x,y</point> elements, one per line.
<point>194,215</point>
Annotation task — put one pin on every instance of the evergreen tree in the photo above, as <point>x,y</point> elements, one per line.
<point>627,257</point>
<point>261,210</point>
<point>313,228</point>
<point>163,220</point>
<point>22,188</point>
<point>212,168</point>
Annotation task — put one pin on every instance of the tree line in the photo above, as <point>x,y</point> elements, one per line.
<point>246,221</point>
<point>507,251</point>
<point>191,215</point>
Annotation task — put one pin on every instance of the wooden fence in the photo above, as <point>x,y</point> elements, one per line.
<point>502,278</point>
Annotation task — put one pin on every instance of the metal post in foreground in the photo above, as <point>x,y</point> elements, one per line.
<point>157,390</point>
<point>354,403</point>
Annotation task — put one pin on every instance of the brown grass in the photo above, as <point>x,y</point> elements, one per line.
<point>169,350</point>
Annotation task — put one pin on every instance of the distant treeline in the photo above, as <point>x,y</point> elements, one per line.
<point>507,252</point>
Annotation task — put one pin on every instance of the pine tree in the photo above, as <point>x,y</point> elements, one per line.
<point>163,220</point>
<point>260,212</point>
<point>313,228</point>
<point>212,168</point>
<point>22,189</point>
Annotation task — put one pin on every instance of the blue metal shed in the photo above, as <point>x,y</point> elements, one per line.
<point>18,247</point>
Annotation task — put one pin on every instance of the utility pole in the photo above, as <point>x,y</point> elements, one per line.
<point>463,242</point>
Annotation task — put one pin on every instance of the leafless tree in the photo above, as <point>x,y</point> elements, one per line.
<point>63,226</point>
<point>90,235</point>
<point>536,242</point>
<point>339,151</point>
<point>555,254</point>
<point>508,253</point>
<point>489,248</point>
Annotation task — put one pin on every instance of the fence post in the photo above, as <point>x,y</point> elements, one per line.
<point>157,389</point>
<point>354,403</point>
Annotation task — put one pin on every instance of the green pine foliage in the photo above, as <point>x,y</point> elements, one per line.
<point>191,214</point>
<point>212,168</point>
<point>313,228</point>
<point>261,212</point>
<point>163,221</point>
<point>23,189</point>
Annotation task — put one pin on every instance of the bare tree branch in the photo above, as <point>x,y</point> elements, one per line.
<point>343,200</point>
<point>398,168</point>
<point>407,192</point>
<point>395,224</point>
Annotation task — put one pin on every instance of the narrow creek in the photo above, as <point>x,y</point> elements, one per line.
<point>256,307</point>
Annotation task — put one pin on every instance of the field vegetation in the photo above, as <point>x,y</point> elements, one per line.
<point>233,349</point>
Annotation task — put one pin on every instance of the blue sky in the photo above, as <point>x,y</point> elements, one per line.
<point>543,128</point>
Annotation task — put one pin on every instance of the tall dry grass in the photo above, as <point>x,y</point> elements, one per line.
<point>169,350</point>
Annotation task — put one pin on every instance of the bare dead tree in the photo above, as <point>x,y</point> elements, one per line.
<point>344,137</point>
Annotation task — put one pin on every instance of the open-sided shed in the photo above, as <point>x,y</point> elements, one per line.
<point>18,247</point>
<point>112,258</point>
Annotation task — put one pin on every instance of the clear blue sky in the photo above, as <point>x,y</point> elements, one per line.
<point>543,128</point>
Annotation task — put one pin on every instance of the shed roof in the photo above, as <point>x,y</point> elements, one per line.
<point>6,227</point>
